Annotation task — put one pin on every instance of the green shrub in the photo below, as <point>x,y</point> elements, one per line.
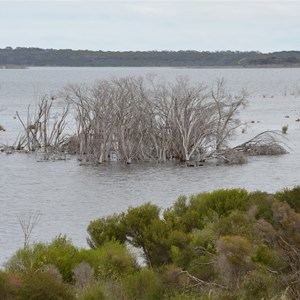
<point>106,229</point>
<point>222,202</point>
<point>291,196</point>
<point>171,279</point>
<point>263,255</point>
<point>143,285</point>
<point>203,268</point>
<point>284,129</point>
<point>259,285</point>
<point>59,253</point>
<point>112,261</point>
<point>262,202</point>
<point>237,223</point>
<point>26,259</point>
<point>235,248</point>
<point>94,292</point>
<point>207,207</point>
<point>43,286</point>
<point>9,284</point>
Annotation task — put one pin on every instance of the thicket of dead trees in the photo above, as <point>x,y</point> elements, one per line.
<point>139,119</point>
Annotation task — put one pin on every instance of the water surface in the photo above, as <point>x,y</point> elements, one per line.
<point>68,195</point>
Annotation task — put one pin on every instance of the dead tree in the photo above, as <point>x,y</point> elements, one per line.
<point>44,130</point>
<point>191,118</point>
<point>28,223</point>
<point>226,108</point>
<point>270,142</point>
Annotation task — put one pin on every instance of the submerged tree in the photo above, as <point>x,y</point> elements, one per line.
<point>140,119</point>
<point>45,129</point>
<point>143,119</point>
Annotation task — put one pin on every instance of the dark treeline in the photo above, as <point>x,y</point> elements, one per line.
<point>66,57</point>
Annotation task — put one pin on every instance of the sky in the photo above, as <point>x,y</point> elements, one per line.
<point>240,25</point>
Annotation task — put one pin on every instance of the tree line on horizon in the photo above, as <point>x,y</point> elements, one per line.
<point>22,56</point>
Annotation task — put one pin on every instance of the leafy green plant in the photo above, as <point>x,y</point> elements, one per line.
<point>112,261</point>
<point>106,229</point>
<point>43,286</point>
<point>291,196</point>
<point>263,255</point>
<point>59,253</point>
<point>259,284</point>
<point>94,292</point>
<point>143,285</point>
<point>284,129</point>
<point>9,284</point>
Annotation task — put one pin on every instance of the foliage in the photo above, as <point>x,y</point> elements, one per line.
<point>94,292</point>
<point>109,262</point>
<point>206,207</point>
<point>43,286</point>
<point>143,285</point>
<point>227,244</point>
<point>32,56</point>
<point>106,229</point>
<point>259,284</point>
<point>291,196</point>
<point>236,223</point>
<point>59,253</point>
<point>259,205</point>
<point>284,129</point>
<point>8,285</point>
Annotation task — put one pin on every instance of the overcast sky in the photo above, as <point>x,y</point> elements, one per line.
<point>264,26</point>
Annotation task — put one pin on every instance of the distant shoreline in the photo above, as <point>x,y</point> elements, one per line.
<point>164,66</point>
<point>21,57</point>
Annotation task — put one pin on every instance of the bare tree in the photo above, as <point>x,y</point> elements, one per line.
<point>192,118</point>
<point>142,120</point>
<point>28,222</point>
<point>226,109</point>
<point>45,130</point>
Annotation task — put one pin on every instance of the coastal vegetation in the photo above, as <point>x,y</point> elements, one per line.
<point>21,57</point>
<point>226,244</point>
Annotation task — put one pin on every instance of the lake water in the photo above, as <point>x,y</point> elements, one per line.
<point>68,196</point>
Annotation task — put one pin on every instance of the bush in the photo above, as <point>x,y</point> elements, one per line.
<point>83,275</point>
<point>43,286</point>
<point>110,262</point>
<point>106,229</point>
<point>235,248</point>
<point>59,253</point>
<point>263,255</point>
<point>238,224</point>
<point>8,286</point>
<point>94,292</point>
<point>233,259</point>
<point>291,196</point>
<point>205,207</point>
<point>259,285</point>
<point>262,202</point>
<point>143,285</point>
<point>284,129</point>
